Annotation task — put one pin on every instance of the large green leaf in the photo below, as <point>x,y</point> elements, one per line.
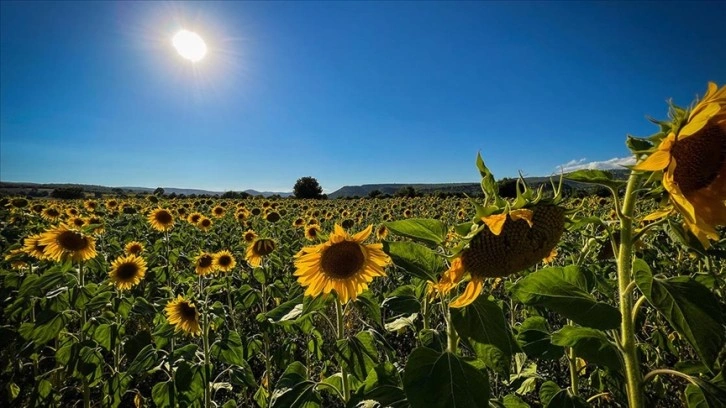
<point>560,290</point>
<point>420,229</point>
<point>358,354</point>
<point>689,307</point>
<point>229,349</point>
<point>483,321</point>
<point>592,345</point>
<point>294,390</point>
<point>600,177</point>
<point>443,380</point>
<point>415,259</point>
<point>534,338</point>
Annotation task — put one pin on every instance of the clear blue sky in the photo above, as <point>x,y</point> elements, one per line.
<point>349,93</point>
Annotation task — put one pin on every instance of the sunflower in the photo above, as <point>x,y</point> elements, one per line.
<point>37,208</point>
<point>249,236</point>
<point>218,211</point>
<point>51,214</point>
<point>77,222</point>
<point>95,221</point>
<point>509,243</point>
<point>32,247</point>
<point>312,231</point>
<point>127,271</point>
<point>161,219</point>
<point>298,223</point>
<point>381,232</point>
<point>72,212</point>
<point>241,215</point>
<point>273,217</point>
<point>134,248</point>
<point>63,243</point>
<point>343,264</point>
<point>204,224</point>
<point>258,249</point>
<point>692,158</point>
<point>194,218</point>
<point>90,205</point>
<point>111,205</point>
<point>224,261</point>
<point>204,264</point>
<point>184,315</point>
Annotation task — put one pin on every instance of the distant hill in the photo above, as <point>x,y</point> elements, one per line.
<point>471,189</point>
<point>24,188</point>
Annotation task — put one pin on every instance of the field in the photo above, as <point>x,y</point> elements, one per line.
<point>302,303</point>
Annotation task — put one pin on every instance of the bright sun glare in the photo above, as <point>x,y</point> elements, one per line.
<point>189,45</point>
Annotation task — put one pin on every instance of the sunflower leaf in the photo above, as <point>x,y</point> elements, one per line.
<point>416,259</point>
<point>294,389</point>
<point>692,310</point>
<point>591,176</point>
<point>483,322</point>
<point>421,229</point>
<point>444,380</point>
<point>591,344</point>
<point>564,291</point>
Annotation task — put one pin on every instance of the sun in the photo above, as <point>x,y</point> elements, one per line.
<point>189,45</point>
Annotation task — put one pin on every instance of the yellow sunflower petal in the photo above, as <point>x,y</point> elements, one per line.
<point>655,162</point>
<point>363,235</point>
<point>495,222</point>
<point>697,122</point>
<point>656,215</point>
<point>521,214</point>
<point>472,291</point>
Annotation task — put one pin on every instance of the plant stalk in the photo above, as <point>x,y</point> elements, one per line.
<point>341,336</point>
<point>633,376</point>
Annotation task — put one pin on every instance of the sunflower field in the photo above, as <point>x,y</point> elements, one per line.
<point>540,300</point>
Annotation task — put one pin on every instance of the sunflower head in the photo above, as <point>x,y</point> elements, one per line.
<point>249,236</point>
<point>218,211</point>
<point>127,271</point>
<point>32,247</point>
<point>272,216</point>
<point>224,261</point>
<point>51,214</point>
<point>161,219</point>
<point>690,153</point>
<point>63,242</point>
<point>204,264</point>
<point>312,232</point>
<point>183,315</point>
<point>194,218</point>
<point>204,224</point>
<point>134,248</point>
<point>258,249</point>
<point>343,264</point>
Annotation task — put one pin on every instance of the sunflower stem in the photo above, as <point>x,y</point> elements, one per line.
<point>172,394</point>
<point>266,343</point>
<point>205,345</point>
<point>229,302</point>
<point>574,372</point>
<point>452,336</point>
<point>633,376</point>
<point>84,381</point>
<point>341,336</point>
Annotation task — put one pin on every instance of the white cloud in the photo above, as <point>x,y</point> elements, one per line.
<point>615,163</point>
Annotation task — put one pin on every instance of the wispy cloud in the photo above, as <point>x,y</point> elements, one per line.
<point>612,164</point>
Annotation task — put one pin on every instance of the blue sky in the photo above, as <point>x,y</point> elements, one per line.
<point>349,93</point>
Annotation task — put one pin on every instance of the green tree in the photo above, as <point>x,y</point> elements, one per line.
<point>307,187</point>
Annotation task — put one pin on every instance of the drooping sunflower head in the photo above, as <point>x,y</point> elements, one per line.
<point>63,242</point>
<point>204,264</point>
<point>161,219</point>
<point>19,202</point>
<point>183,315</point>
<point>343,264</point>
<point>134,248</point>
<point>127,271</point>
<point>503,245</point>
<point>258,249</point>
<point>224,261</point>
<point>690,151</point>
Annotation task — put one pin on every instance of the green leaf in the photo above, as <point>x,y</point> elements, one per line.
<point>692,310</point>
<point>638,145</point>
<point>144,361</point>
<point>534,338</point>
<point>358,354</point>
<point>564,399</point>
<point>369,306</point>
<point>443,380</point>
<point>103,335</point>
<point>483,321</point>
<point>415,259</point>
<point>403,323</point>
<point>547,392</point>
<point>162,393</point>
<point>592,345</point>
<point>513,401</point>
<point>557,289</point>
<point>493,357</point>
<point>48,325</point>
<point>229,349</point>
<point>286,312</point>
<point>403,301</point>
<point>294,390</point>
<point>600,177</point>
<point>420,229</point>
